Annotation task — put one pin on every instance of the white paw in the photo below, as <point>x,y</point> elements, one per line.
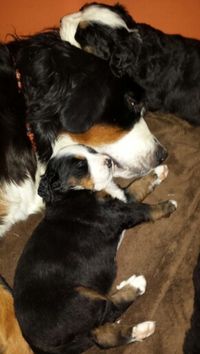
<point>161,173</point>
<point>143,330</point>
<point>137,282</point>
<point>174,202</point>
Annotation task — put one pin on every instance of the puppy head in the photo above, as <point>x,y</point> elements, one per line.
<point>113,17</point>
<point>75,167</point>
<point>105,31</point>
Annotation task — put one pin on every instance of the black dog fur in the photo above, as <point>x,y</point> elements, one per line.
<point>192,339</point>
<point>167,67</point>
<point>16,158</point>
<point>68,266</point>
<point>66,89</point>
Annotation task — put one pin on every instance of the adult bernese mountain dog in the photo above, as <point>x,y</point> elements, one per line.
<point>167,67</point>
<point>65,96</point>
<point>67,267</point>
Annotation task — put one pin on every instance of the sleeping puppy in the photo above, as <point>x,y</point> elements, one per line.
<point>167,67</point>
<point>68,266</point>
<point>57,89</point>
<point>11,340</point>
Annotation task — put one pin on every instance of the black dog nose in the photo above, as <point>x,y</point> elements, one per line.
<point>108,162</point>
<point>161,154</point>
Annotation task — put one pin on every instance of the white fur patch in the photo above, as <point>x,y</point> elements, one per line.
<point>93,13</point>
<point>137,282</point>
<point>174,202</point>
<point>22,200</point>
<point>143,330</point>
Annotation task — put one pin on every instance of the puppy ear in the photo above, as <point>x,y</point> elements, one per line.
<point>49,184</point>
<point>125,54</point>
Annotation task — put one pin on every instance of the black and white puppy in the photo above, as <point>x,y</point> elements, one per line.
<point>68,266</point>
<point>167,67</point>
<point>63,91</point>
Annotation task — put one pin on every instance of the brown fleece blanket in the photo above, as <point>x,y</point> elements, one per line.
<point>165,251</point>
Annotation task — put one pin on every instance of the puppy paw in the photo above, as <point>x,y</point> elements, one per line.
<point>138,283</point>
<point>160,174</point>
<point>143,330</point>
<point>169,207</point>
<point>162,210</point>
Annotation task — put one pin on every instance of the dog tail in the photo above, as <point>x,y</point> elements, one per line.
<point>11,339</point>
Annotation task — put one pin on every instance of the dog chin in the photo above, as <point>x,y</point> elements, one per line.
<point>128,173</point>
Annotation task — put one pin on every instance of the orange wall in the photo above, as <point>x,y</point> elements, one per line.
<point>29,16</point>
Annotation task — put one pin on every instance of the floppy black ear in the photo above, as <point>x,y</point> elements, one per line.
<point>49,184</point>
<point>125,54</point>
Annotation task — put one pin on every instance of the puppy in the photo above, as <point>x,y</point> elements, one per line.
<point>11,340</point>
<point>167,67</point>
<point>60,92</point>
<point>68,266</point>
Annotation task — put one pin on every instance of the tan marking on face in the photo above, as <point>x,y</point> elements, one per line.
<point>11,340</point>
<point>85,182</point>
<point>90,293</point>
<point>99,135</point>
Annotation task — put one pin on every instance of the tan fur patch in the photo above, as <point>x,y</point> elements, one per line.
<point>11,340</point>
<point>89,49</point>
<point>102,194</point>
<point>3,208</point>
<point>99,135</point>
<point>163,209</point>
<point>83,24</point>
<point>90,293</point>
<point>126,294</point>
<point>85,182</point>
<point>142,187</point>
<point>112,335</point>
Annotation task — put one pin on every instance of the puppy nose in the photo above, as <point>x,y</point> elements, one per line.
<point>161,154</point>
<point>108,162</point>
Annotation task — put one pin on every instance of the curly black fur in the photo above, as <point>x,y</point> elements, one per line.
<point>167,67</point>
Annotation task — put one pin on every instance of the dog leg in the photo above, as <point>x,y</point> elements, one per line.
<point>141,188</point>
<point>126,293</point>
<point>114,334</point>
<point>128,290</point>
